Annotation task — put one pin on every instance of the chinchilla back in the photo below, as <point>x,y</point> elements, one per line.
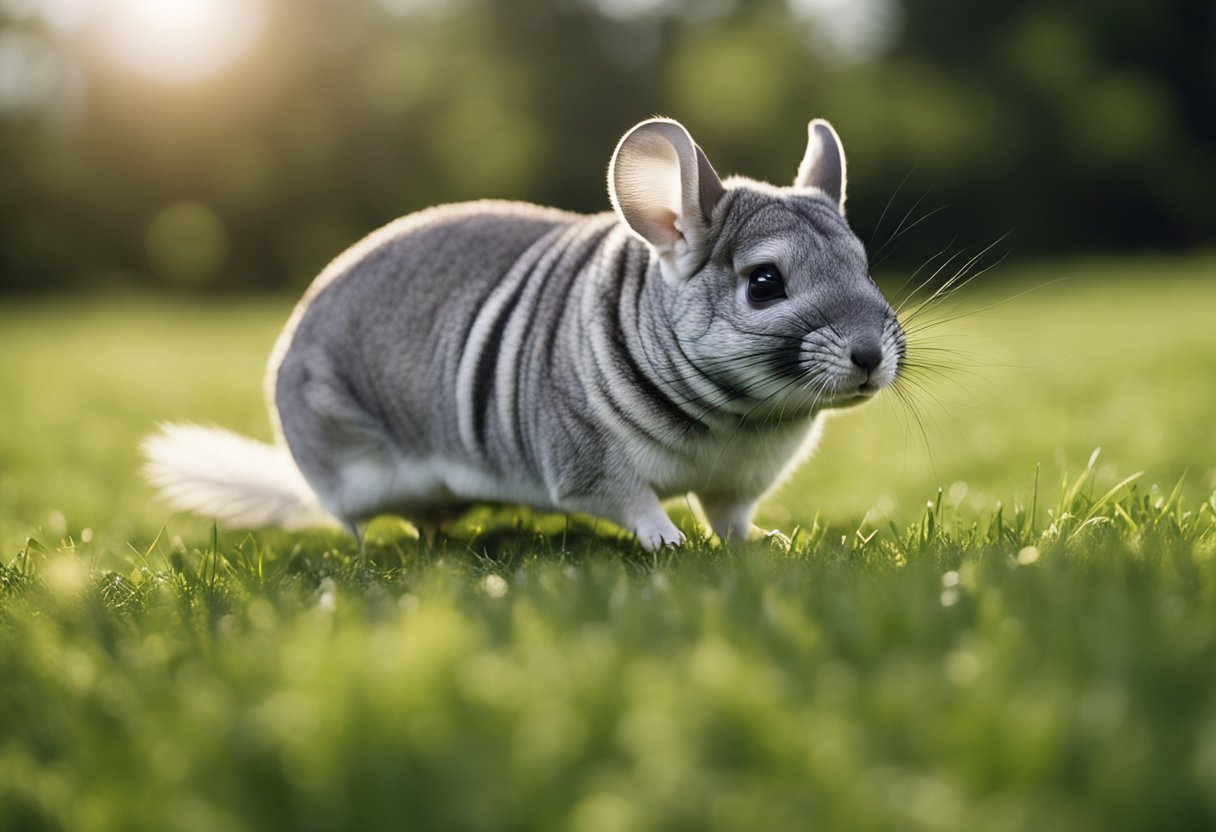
<point>458,343</point>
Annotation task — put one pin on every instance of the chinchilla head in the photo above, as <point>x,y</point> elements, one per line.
<point>766,291</point>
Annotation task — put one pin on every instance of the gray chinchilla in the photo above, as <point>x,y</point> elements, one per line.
<point>688,341</point>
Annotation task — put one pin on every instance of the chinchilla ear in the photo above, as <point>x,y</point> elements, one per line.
<point>823,166</point>
<point>665,190</point>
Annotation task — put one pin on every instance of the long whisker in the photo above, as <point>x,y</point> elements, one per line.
<point>880,258</point>
<point>979,311</point>
<point>899,290</point>
<point>891,201</point>
<point>899,228</point>
<point>927,280</point>
<point>959,279</point>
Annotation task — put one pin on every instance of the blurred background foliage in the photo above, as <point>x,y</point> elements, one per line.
<point>240,144</point>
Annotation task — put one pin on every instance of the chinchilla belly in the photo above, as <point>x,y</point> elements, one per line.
<point>389,378</point>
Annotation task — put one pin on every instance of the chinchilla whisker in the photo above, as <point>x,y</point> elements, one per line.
<point>899,227</point>
<point>920,386</point>
<point>958,280</point>
<point>922,326</point>
<point>932,276</point>
<point>773,363</point>
<point>940,375</point>
<point>776,336</point>
<point>947,409</point>
<point>882,216</point>
<point>923,333</point>
<point>803,401</point>
<point>910,394</point>
<point>900,297</point>
<point>814,320</point>
<point>744,392</point>
<point>762,382</point>
<point>913,411</point>
<point>738,359</point>
<point>968,382</point>
<point>933,384</point>
<point>937,358</point>
<point>815,392</point>
<point>881,257</point>
<point>930,358</point>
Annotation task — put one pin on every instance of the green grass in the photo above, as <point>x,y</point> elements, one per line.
<point>1033,649</point>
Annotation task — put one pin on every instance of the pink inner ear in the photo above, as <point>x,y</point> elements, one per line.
<point>665,224</point>
<point>659,225</point>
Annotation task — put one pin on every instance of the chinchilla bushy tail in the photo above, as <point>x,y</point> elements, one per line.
<point>236,480</point>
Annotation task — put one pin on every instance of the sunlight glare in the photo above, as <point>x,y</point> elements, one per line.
<point>179,41</point>
<point>850,31</point>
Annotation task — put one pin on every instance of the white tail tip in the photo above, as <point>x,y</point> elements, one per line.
<point>236,480</point>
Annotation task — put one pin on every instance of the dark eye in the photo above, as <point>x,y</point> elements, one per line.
<point>764,284</point>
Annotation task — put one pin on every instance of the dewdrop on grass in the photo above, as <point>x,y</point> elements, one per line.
<point>65,576</point>
<point>1027,556</point>
<point>494,586</point>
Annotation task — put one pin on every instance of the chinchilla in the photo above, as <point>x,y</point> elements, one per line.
<point>689,341</point>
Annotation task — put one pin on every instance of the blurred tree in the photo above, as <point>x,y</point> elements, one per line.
<point>1078,127</point>
<point>1102,119</point>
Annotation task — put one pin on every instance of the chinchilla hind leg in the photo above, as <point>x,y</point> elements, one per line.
<point>345,452</point>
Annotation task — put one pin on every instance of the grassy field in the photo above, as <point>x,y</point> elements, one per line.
<point>982,624</point>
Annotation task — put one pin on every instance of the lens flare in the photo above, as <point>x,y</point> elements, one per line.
<point>179,41</point>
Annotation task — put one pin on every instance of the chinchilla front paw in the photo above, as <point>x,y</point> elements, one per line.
<point>774,537</point>
<point>655,533</point>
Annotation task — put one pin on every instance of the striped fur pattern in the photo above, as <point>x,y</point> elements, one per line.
<point>502,352</point>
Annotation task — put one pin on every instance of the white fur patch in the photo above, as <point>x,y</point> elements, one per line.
<point>240,481</point>
<point>371,485</point>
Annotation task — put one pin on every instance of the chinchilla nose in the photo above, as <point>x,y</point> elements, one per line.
<point>866,353</point>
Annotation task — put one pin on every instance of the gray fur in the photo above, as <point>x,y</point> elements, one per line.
<point>501,352</point>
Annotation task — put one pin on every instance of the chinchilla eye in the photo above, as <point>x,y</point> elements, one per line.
<point>764,284</point>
